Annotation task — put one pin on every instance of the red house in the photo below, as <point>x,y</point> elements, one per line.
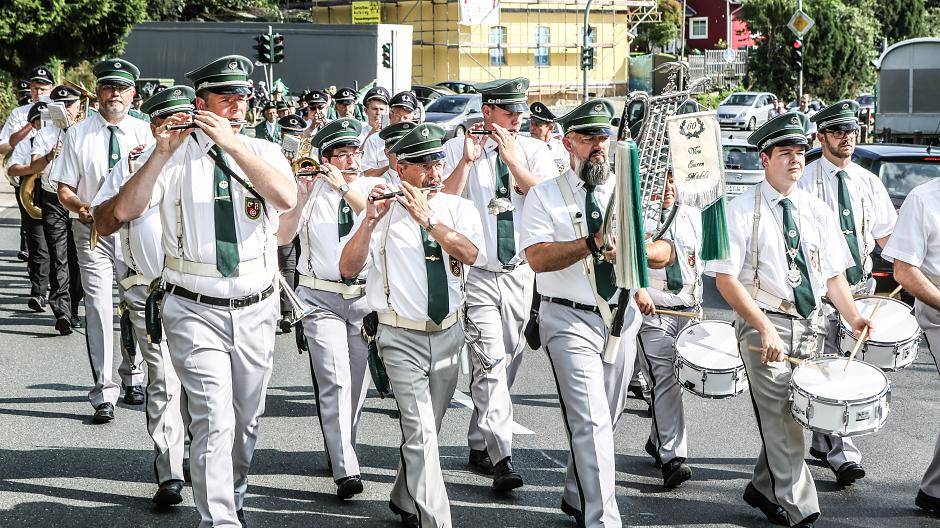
<point>706,23</point>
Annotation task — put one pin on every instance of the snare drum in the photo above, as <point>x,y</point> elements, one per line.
<point>707,360</point>
<point>826,398</point>
<point>894,343</point>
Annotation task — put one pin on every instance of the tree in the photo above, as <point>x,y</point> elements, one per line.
<point>210,9</point>
<point>837,51</point>
<point>36,31</point>
<point>665,31</point>
<point>902,19</point>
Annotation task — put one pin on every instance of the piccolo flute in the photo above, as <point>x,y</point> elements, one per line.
<point>192,124</point>
<point>386,196</point>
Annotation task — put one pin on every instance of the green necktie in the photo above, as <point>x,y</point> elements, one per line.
<point>674,270</point>
<point>803,292</point>
<point>226,241</point>
<point>603,270</point>
<point>505,238</point>
<point>114,149</point>
<point>345,218</point>
<point>847,223</point>
<point>438,298</point>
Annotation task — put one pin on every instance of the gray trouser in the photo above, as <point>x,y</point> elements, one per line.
<point>929,320</point>
<point>422,368</point>
<point>574,340</point>
<point>838,449</point>
<point>658,352</point>
<point>98,278</point>
<point>338,364</point>
<point>498,304</point>
<point>781,473</point>
<point>223,359</point>
<point>164,394</point>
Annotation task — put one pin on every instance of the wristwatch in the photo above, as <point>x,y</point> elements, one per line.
<point>343,189</point>
<point>432,223</point>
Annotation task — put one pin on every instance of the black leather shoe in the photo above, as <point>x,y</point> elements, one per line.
<point>241,517</point>
<point>346,487</point>
<point>480,461</point>
<point>774,512</point>
<point>104,413</point>
<point>819,455</point>
<point>23,255</point>
<point>573,512</point>
<point>170,493</point>
<point>927,503</point>
<point>75,321</point>
<point>653,452</point>
<point>284,326</point>
<point>37,303</point>
<point>848,473</point>
<point>808,522</point>
<point>675,472</point>
<point>408,520</point>
<point>505,477</point>
<point>134,395</point>
<point>63,325</point>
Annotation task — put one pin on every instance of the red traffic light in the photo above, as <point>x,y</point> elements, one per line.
<point>278,38</point>
<point>797,44</point>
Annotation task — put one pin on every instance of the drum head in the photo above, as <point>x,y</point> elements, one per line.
<point>709,344</point>
<point>827,378</point>
<point>893,323</point>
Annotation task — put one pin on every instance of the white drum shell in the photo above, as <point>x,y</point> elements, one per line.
<point>706,381</point>
<point>887,354</point>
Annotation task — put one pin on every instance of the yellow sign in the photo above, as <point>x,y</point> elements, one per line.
<point>366,12</point>
<point>800,23</point>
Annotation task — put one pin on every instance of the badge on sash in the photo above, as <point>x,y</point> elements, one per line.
<point>455,267</point>
<point>252,208</point>
<point>814,258</point>
<point>690,258</point>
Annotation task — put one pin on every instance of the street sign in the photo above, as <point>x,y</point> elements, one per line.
<point>800,23</point>
<point>728,55</point>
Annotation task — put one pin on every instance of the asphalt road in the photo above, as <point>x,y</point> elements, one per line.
<point>57,469</point>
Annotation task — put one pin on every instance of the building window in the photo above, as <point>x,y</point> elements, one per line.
<point>698,28</point>
<point>541,46</point>
<point>497,40</point>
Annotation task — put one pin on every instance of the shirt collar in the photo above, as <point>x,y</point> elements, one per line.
<point>772,195</point>
<point>829,168</point>
<point>122,125</point>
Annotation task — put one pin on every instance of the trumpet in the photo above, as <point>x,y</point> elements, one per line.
<point>299,309</point>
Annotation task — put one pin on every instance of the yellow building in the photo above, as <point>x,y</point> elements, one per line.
<point>540,40</point>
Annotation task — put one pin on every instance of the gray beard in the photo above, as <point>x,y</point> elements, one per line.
<point>593,173</point>
<point>107,113</point>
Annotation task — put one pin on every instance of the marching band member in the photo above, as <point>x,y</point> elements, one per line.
<point>495,171</point>
<point>774,279</point>
<point>390,135</point>
<point>317,103</point>
<point>328,203</point>
<point>402,107</point>
<point>415,248</point>
<point>561,235</point>
<point>218,309</point>
<point>17,128</point>
<point>90,150</point>
<point>269,128</point>
<point>139,263</point>
<point>344,103</point>
<point>866,216</point>
<point>677,287</point>
<point>376,108</point>
<point>542,127</point>
<point>915,250</point>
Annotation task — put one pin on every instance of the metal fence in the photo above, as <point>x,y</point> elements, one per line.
<point>712,64</point>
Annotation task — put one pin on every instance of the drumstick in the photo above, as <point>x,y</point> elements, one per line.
<point>759,350</point>
<point>864,335</point>
<point>690,315</point>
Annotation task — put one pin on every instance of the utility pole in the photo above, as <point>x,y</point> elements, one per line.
<point>584,47</point>
<point>799,86</point>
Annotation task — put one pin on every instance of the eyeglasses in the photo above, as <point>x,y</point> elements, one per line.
<point>348,155</point>
<point>841,134</point>
<point>116,88</point>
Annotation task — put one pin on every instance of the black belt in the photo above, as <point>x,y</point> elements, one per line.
<point>781,314</point>
<point>576,306</point>
<point>237,302</point>
<point>677,308</point>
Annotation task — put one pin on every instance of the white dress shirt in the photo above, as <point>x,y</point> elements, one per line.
<point>373,153</point>
<point>404,253</point>
<point>44,141</point>
<point>22,153</point>
<point>15,122</point>
<point>686,236</point>
<point>821,241</point>
<point>83,163</point>
<point>188,177</point>
<point>559,153</point>
<point>481,185</point>
<point>872,209</point>
<point>546,219</point>
<point>916,237</point>
<point>320,245</point>
<point>141,239</point>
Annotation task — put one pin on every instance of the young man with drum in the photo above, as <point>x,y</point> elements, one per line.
<point>677,288</point>
<point>774,279</point>
<point>915,249</point>
<point>866,216</point>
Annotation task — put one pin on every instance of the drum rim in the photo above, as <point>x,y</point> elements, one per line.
<point>885,390</point>
<point>883,394</point>
<point>705,369</point>
<point>910,309</point>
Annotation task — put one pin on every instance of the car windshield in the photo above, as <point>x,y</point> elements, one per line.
<point>740,100</point>
<point>900,177</point>
<point>866,100</point>
<point>449,105</point>
<point>741,158</point>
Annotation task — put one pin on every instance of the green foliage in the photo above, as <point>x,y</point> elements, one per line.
<point>209,9</point>
<point>837,51</point>
<point>902,19</point>
<point>710,101</point>
<point>666,30</point>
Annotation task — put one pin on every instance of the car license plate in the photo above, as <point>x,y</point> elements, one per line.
<point>736,188</point>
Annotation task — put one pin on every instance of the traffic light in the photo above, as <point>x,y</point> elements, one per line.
<point>798,55</point>
<point>587,58</point>
<point>387,55</point>
<point>277,48</point>
<point>264,48</point>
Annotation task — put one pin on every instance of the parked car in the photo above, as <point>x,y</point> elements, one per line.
<point>901,168</point>
<point>866,100</point>
<point>458,87</point>
<point>455,113</point>
<point>524,128</point>
<point>427,94</point>
<point>742,165</point>
<point>747,110</point>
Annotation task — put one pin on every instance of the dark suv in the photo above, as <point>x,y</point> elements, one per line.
<point>901,168</point>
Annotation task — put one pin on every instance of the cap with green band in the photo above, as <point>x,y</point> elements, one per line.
<point>225,75</point>
<point>784,130</point>
<point>509,94</point>
<point>170,101</point>
<point>337,133</point>
<point>842,115</point>
<point>116,71</point>
<point>421,144</point>
<point>393,133</point>
<point>590,118</point>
